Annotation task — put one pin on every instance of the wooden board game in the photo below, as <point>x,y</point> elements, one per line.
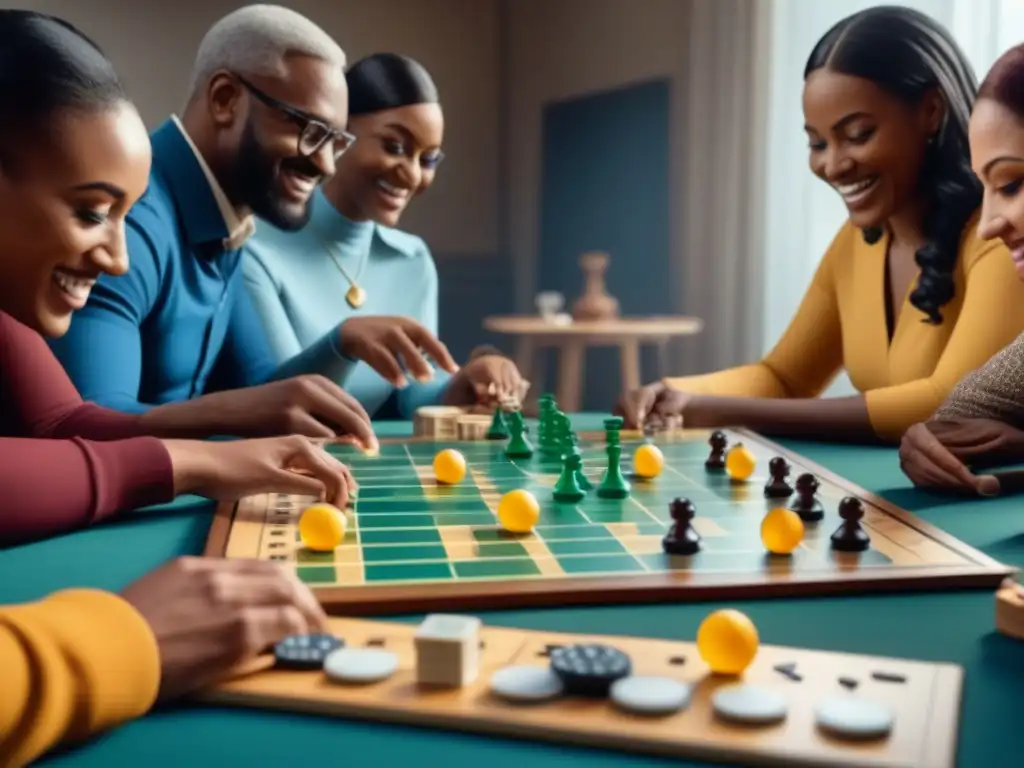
<point>924,698</point>
<point>413,544</point>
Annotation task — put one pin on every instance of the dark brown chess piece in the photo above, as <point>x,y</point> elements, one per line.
<point>806,505</point>
<point>718,443</point>
<point>681,538</point>
<point>850,537</point>
<point>777,487</point>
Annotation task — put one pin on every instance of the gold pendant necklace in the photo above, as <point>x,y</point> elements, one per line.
<point>355,296</point>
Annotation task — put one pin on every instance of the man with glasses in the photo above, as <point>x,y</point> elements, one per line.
<point>177,339</point>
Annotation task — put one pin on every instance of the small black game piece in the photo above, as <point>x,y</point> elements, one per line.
<point>305,651</point>
<point>850,537</point>
<point>589,670</point>
<point>718,443</point>
<point>788,670</point>
<point>806,505</point>
<point>888,677</point>
<point>848,682</point>
<point>681,538</point>
<point>777,487</point>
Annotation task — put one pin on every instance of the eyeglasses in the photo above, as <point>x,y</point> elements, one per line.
<point>313,133</point>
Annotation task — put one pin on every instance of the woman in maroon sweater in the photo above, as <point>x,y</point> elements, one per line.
<point>74,156</point>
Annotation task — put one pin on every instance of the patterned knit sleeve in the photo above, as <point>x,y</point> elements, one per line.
<point>994,391</point>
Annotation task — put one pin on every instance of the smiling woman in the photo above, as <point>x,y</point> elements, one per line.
<point>909,297</point>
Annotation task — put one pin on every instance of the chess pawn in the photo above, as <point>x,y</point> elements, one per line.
<point>567,489</point>
<point>777,487</point>
<point>681,538</point>
<point>850,537</point>
<point>806,505</point>
<point>718,443</point>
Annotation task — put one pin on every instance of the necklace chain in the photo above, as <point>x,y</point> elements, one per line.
<point>356,294</point>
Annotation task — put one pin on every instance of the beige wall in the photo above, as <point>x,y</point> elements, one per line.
<point>558,49</point>
<point>152,42</point>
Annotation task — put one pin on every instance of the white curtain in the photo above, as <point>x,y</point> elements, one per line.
<point>801,213</point>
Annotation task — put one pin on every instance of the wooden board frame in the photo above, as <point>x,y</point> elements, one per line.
<point>926,702</point>
<point>690,586</point>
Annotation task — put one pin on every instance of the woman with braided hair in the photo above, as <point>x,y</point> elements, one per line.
<point>909,297</point>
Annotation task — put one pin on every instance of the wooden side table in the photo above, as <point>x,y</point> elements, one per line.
<point>533,332</point>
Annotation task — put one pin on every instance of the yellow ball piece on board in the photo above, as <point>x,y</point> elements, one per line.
<point>782,530</point>
<point>449,466</point>
<point>518,511</point>
<point>740,462</point>
<point>322,527</point>
<point>727,641</point>
<point>648,461</point>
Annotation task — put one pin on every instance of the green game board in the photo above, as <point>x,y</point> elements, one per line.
<point>413,544</point>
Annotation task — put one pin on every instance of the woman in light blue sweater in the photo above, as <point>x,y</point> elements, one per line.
<point>351,265</point>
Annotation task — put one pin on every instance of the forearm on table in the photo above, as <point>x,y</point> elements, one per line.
<point>75,664</point>
<point>841,418</point>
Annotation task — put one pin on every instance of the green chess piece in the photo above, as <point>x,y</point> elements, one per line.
<point>548,431</point>
<point>498,429</point>
<point>567,489</point>
<point>518,446</point>
<point>581,479</point>
<point>614,484</point>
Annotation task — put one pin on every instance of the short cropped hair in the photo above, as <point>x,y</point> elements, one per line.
<point>256,40</point>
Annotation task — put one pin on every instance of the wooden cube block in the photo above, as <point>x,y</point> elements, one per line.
<point>1010,610</point>
<point>447,650</point>
<point>473,426</point>
<point>438,422</point>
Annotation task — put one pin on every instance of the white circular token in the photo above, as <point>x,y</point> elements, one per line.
<point>650,695</point>
<point>853,717</point>
<point>524,684</point>
<point>749,704</point>
<point>360,665</point>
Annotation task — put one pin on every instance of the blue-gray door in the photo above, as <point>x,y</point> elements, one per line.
<point>605,187</point>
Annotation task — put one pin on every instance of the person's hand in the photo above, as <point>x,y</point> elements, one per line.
<point>392,346</point>
<point>486,381</point>
<point>979,441</point>
<point>656,401</point>
<point>310,405</point>
<point>211,615</point>
<point>226,471</point>
<point>930,464</point>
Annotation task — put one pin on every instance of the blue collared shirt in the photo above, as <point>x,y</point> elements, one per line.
<point>180,323</point>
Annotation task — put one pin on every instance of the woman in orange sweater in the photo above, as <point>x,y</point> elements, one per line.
<point>908,298</point>
<point>74,155</point>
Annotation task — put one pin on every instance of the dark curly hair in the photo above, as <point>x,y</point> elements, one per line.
<point>48,66</point>
<point>908,54</point>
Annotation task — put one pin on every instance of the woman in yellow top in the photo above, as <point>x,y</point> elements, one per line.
<point>908,298</point>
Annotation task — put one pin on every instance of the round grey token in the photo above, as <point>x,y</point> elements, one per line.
<point>360,665</point>
<point>749,704</point>
<point>854,717</point>
<point>526,684</point>
<point>650,695</point>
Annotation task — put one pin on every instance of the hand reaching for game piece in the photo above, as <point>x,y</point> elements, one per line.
<point>486,381</point>
<point>933,454</point>
<point>656,400</point>
<point>392,346</point>
<point>210,615</point>
<point>303,405</point>
<point>231,470</point>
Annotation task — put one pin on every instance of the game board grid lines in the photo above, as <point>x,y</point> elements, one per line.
<point>412,461</point>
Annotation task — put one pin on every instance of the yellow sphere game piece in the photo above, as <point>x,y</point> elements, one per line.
<point>782,530</point>
<point>449,466</point>
<point>740,462</point>
<point>322,527</point>
<point>648,461</point>
<point>727,641</point>
<point>518,511</point>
